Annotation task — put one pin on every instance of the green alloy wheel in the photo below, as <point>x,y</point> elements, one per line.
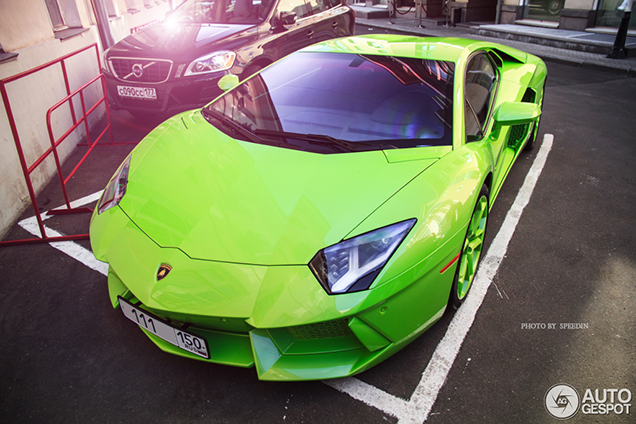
<point>471,252</point>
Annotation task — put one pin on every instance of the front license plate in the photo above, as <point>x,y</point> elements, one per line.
<point>146,93</point>
<point>147,321</point>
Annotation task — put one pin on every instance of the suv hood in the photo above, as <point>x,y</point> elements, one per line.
<point>216,198</point>
<point>171,40</point>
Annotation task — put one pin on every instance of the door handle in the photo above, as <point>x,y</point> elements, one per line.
<point>334,25</point>
<point>310,33</point>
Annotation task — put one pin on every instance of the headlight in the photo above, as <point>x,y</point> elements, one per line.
<point>217,61</point>
<point>353,264</point>
<point>116,188</point>
<point>105,66</point>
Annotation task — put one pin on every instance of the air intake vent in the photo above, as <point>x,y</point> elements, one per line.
<point>321,330</point>
<point>529,96</point>
<point>518,133</point>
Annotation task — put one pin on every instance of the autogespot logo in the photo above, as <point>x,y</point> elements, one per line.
<point>562,401</point>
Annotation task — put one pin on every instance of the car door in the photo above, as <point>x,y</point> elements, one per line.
<point>480,89</point>
<point>293,26</point>
<point>331,20</point>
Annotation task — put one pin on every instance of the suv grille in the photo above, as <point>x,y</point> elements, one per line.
<point>141,70</point>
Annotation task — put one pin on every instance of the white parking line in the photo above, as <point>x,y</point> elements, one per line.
<point>72,249</point>
<point>418,407</point>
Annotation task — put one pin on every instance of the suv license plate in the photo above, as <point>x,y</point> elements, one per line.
<point>146,93</point>
<point>183,339</point>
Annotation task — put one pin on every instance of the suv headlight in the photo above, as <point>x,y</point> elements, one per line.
<point>105,65</point>
<point>213,62</point>
<point>353,264</point>
<point>116,188</point>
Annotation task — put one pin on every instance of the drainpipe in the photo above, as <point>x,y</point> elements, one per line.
<point>619,51</point>
<point>498,17</point>
<point>103,23</point>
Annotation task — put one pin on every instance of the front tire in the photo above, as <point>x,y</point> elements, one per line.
<point>471,249</point>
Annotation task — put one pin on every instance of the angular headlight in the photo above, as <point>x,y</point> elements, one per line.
<point>213,62</point>
<point>116,188</point>
<point>353,264</point>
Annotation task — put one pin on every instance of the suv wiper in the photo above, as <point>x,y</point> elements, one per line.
<point>324,140</point>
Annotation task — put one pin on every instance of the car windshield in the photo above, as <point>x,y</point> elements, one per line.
<point>339,102</point>
<point>221,11</point>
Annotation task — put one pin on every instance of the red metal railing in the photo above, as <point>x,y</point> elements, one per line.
<point>27,170</point>
<point>56,142</point>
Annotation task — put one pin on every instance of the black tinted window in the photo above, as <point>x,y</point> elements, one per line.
<point>221,11</point>
<point>318,6</point>
<point>376,101</point>
<point>479,88</point>
<point>300,8</point>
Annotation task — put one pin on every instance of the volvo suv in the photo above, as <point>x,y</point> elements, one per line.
<point>176,65</point>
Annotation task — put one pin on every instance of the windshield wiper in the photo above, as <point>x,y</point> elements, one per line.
<point>262,136</point>
<point>324,140</point>
<point>230,125</point>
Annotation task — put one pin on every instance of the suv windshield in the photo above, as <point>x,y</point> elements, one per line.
<point>221,11</point>
<point>339,102</point>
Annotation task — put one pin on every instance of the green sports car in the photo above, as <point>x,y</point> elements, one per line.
<point>319,216</point>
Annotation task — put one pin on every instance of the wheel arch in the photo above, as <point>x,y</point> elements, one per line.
<point>260,62</point>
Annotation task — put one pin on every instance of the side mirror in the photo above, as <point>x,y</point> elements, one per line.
<point>287,18</point>
<point>511,113</point>
<point>228,82</point>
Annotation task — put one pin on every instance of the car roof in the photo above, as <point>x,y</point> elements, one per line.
<point>436,48</point>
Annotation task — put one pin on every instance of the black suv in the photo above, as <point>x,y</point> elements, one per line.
<point>175,65</point>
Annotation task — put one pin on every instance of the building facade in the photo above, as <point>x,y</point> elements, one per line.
<point>577,15</point>
<point>602,15</point>
<point>33,33</point>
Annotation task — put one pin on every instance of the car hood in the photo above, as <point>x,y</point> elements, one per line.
<point>215,198</point>
<point>171,41</point>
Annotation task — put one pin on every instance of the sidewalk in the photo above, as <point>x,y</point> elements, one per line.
<point>578,48</point>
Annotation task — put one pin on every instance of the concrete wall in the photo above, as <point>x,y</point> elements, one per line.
<point>511,11</point>
<point>26,29</point>
<point>577,15</point>
<point>476,10</point>
<point>23,23</point>
<point>579,4</point>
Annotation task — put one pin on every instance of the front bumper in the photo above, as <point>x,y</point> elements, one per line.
<point>173,96</point>
<point>278,318</point>
<point>316,351</point>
